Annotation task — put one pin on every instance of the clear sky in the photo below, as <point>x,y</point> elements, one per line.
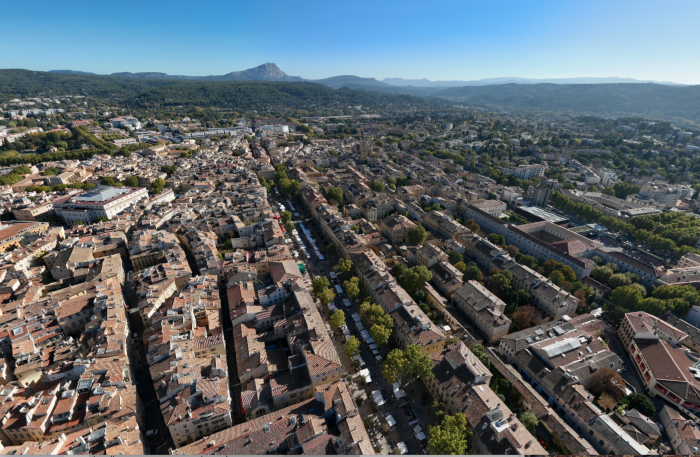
<point>446,40</point>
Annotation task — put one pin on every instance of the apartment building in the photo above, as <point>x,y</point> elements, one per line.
<point>484,309</point>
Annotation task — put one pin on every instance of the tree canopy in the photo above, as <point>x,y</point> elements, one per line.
<point>416,235</point>
<point>407,365</point>
<point>451,437</point>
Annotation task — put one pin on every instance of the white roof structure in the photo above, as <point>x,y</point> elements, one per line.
<point>398,392</point>
<point>561,347</point>
<point>365,373</point>
<point>419,433</point>
<point>390,420</point>
<point>403,449</point>
<point>378,398</point>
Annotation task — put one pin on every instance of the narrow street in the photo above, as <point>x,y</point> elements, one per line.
<point>416,394</point>
<point>153,418</point>
<point>234,383</point>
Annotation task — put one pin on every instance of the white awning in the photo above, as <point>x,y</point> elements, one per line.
<point>377,397</point>
<point>365,373</point>
<point>399,393</point>
<point>403,449</point>
<point>390,420</point>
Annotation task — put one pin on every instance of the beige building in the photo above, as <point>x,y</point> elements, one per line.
<point>484,309</point>
<point>396,228</point>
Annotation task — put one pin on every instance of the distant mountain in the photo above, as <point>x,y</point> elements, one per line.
<point>674,103</point>
<point>336,82</point>
<point>264,72</point>
<point>513,80</point>
<point>71,72</point>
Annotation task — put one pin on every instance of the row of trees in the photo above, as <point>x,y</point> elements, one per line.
<point>676,233</point>
<point>287,186</point>
<point>322,290</point>
<point>582,210</point>
<point>677,299</point>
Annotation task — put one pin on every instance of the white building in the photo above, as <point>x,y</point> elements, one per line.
<point>664,196</point>
<point>101,201</point>
<point>525,172</point>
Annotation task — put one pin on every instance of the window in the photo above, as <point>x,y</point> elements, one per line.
<point>590,432</point>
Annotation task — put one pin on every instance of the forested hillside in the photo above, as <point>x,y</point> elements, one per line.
<point>245,95</point>
<point>159,93</point>
<point>675,103</point>
<point>25,83</point>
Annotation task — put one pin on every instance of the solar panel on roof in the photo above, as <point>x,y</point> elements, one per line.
<point>558,330</point>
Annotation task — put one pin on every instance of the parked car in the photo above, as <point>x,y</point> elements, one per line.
<point>153,432</point>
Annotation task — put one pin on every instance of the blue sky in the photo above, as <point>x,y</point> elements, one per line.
<point>316,39</point>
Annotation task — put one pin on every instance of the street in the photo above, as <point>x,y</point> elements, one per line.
<point>417,395</point>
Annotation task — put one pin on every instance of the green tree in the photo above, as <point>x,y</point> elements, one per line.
<point>416,235</point>
<point>377,186</point>
<point>50,171</point>
<point>455,257</point>
<point>473,272</point>
<point>609,191</point>
<point>338,319</point>
<point>285,216</point>
<point>619,280</point>
<point>326,296</point>
<point>499,284</point>
<point>626,297</point>
<point>528,260</point>
<point>557,277</point>
<point>336,194</point>
<point>641,403</point>
<point>480,353</point>
<point>346,267</point>
<point>102,219</point>
<point>412,280</point>
<point>289,227</point>
<point>169,169</point>
<point>407,365</point>
<point>451,437</point>
<point>498,240</point>
<point>352,287</point>
<point>107,181</point>
<point>625,189</point>
<point>380,334</point>
<point>461,266</point>
<point>22,170</point>
<point>131,181</point>
<point>319,284</point>
<point>529,421</point>
<point>158,185</point>
<point>352,346</point>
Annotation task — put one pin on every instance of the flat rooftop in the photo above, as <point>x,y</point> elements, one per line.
<point>101,194</point>
<point>543,214</point>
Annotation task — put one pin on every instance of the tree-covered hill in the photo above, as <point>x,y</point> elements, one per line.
<point>246,95</point>
<point>26,83</point>
<point>674,103</point>
<point>160,93</point>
